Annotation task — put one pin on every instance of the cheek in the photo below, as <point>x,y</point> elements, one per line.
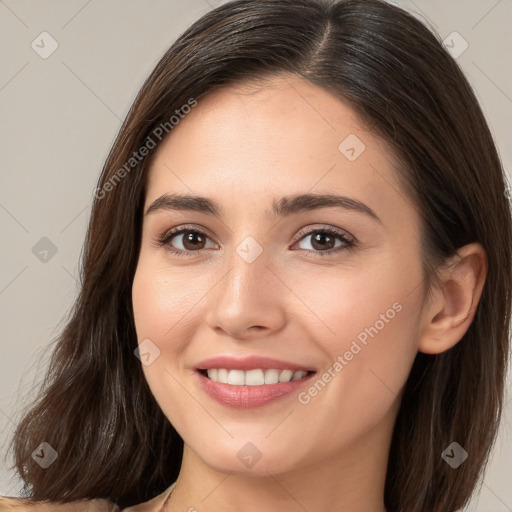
<point>162,299</point>
<point>368,331</point>
<point>378,299</point>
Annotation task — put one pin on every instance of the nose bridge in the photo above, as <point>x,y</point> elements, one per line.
<point>248,269</point>
<point>241,300</point>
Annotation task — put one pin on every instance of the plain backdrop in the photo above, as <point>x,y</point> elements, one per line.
<point>60,113</point>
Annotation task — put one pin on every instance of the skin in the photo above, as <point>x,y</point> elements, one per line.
<point>243,147</point>
<point>20,505</point>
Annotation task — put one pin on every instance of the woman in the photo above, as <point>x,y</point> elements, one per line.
<point>296,279</point>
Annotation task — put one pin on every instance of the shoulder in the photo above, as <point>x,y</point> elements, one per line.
<point>10,503</point>
<point>27,505</point>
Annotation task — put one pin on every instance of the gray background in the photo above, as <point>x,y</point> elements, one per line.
<point>59,117</point>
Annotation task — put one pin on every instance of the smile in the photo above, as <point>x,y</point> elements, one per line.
<point>251,388</point>
<point>256,377</point>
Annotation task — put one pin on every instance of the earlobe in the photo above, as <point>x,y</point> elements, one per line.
<point>455,300</point>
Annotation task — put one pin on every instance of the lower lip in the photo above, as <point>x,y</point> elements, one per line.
<point>245,397</point>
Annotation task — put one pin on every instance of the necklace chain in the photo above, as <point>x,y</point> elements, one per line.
<point>166,501</point>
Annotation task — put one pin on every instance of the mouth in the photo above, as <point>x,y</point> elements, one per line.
<point>254,377</point>
<point>251,381</point>
<point>257,387</point>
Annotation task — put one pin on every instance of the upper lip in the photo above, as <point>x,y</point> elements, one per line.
<point>250,363</point>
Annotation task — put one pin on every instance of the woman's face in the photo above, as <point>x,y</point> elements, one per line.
<point>257,276</point>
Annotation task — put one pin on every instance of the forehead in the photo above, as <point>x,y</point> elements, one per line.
<point>285,135</point>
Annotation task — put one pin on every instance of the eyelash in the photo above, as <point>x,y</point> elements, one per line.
<point>348,241</point>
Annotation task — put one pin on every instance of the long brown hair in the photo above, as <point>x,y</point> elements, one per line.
<point>95,407</point>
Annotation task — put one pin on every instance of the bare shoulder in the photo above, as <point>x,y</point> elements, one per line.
<point>24,504</point>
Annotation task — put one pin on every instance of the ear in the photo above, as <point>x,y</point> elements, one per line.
<point>453,304</point>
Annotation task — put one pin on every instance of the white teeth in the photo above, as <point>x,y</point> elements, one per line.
<point>222,375</point>
<point>236,377</point>
<point>256,377</point>
<point>285,376</point>
<point>271,376</point>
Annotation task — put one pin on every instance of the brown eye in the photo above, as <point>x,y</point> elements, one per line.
<point>323,241</point>
<point>193,240</point>
<point>326,241</point>
<point>185,241</point>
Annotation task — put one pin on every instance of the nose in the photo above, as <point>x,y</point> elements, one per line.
<point>249,300</point>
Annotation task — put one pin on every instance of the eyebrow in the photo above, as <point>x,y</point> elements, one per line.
<point>283,207</point>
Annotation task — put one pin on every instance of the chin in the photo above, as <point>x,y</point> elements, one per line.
<point>249,458</point>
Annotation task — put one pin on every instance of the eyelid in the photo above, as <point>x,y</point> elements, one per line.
<point>330,229</point>
<point>186,227</point>
<point>349,240</point>
<point>165,238</point>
